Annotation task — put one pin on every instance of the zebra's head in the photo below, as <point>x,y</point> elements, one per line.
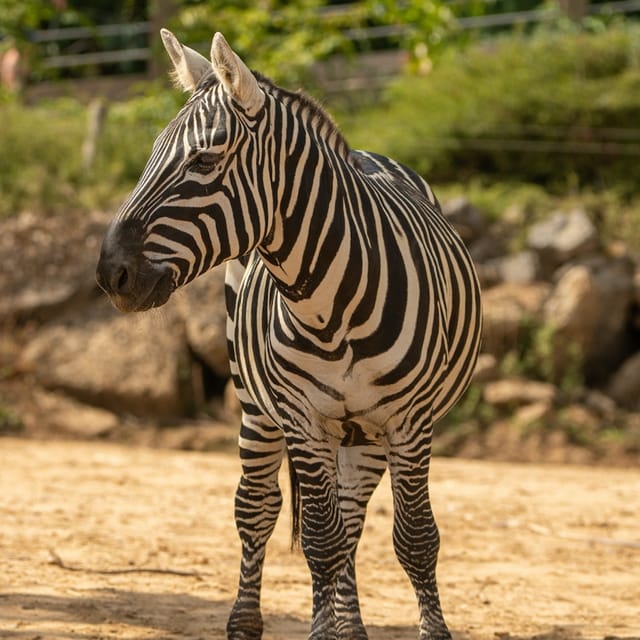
<point>198,201</point>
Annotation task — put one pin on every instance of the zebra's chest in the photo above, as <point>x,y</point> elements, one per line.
<point>276,368</point>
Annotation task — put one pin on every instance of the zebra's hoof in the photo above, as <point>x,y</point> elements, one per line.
<point>244,634</point>
<point>244,629</point>
<point>355,634</point>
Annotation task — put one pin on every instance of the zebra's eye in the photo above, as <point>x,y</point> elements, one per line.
<point>204,163</point>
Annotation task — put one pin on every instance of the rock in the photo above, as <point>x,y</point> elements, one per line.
<point>601,404</point>
<point>70,417</point>
<point>518,391</point>
<point>486,368</point>
<point>502,440</point>
<point>201,305</point>
<point>506,310</point>
<point>53,261</point>
<point>488,274</point>
<point>486,247</point>
<point>573,308</point>
<point>624,386</point>
<point>588,310</point>
<point>635,318</point>
<point>581,424</point>
<point>520,268</point>
<point>232,408</point>
<point>563,237</point>
<point>613,341</point>
<point>467,220</point>
<point>515,215</point>
<point>134,363</point>
<point>533,413</point>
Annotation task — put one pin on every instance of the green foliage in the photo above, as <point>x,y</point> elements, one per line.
<point>557,108</point>
<point>19,16</point>
<point>121,157</point>
<point>278,38</point>
<point>44,171</point>
<point>40,162</point>
<point>492,197</point>
<point>541,354</point>
<point>284,39</point>
<point>9,421</point>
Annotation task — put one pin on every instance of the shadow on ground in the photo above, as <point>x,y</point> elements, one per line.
<point>174,616</point>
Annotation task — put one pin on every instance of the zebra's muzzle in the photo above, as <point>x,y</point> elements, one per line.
<point>132,282</point>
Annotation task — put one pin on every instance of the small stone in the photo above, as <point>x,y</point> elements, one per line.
<point>520,268</point>
<point>624,386</point>
<point>563,236</point>
<point>519,391</point>
<point>467,220</point>
<point>532,413</point>
<point>486,368</point>
<point>506,309</point>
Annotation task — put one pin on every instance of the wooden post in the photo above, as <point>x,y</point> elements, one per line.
<point>97,112</point>
<point>575,10</point>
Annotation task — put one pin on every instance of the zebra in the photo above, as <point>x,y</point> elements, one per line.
<point>354,319</point>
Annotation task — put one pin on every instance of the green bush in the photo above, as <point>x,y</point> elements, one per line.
<point>555,108</point>
<point>41,160</point>
<point>42,167</point>
<point>463,123</point>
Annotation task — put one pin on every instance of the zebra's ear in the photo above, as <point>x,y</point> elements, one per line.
<point>188,65</point>
<point>235,76</point>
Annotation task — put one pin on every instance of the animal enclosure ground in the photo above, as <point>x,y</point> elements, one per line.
<point>103,541</point>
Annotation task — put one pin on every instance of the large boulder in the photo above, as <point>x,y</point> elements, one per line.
<point>624,386</point>
<point>573,308</point>
<point>48,263</point>
<point>520,268</point>
<point>506,311</point>
<point>563,237</point>
<point>136,364</point>
<point>588,311</point>
<point>202,308</point>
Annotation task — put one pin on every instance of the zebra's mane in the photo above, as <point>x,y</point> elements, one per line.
<point>309,107</point>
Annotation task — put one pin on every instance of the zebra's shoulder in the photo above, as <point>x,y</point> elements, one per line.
<point>381,167</point>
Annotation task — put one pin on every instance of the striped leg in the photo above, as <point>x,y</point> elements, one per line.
<point>257,505</point>
<point>415,534</point>
<point>324,537</point>
<point>359,471</point>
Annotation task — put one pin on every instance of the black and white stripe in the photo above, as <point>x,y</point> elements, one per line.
<point>354,320</point>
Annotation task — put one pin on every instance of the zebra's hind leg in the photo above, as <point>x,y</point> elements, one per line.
<point>359,471</point>
<point>257,505</point>
<point>415,534</point>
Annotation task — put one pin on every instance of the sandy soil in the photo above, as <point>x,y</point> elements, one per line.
<point>102,541</point>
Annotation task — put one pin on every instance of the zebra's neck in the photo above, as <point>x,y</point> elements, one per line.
<point>314,250</point>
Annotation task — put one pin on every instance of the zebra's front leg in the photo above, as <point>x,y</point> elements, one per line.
<point>359,471</point>
<point>257,505</point>
<point>324,537</point>
<point>415,534</point>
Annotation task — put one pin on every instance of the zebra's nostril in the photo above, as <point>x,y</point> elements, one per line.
<point>123,279</point>
<point>120,279</point>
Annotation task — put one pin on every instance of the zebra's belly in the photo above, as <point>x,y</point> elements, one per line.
<point>330,393</point>
<point>340,391</point>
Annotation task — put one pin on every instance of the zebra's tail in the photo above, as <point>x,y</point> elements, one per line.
<point>296,505</point>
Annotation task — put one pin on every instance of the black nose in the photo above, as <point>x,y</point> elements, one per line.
<point>117,268</point>
<point>114,277</point>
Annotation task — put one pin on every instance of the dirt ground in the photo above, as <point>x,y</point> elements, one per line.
<point>104,541</point>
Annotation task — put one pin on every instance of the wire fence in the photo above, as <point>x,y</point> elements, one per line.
<point>531,139</point>
<point>122,34</point>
